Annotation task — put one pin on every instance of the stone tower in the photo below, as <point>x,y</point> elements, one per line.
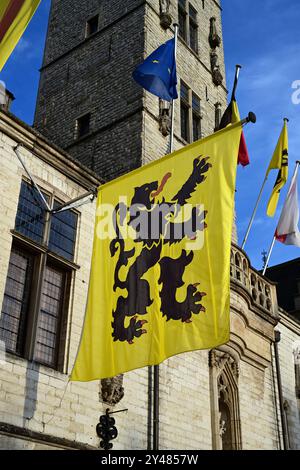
<point>88,102</point>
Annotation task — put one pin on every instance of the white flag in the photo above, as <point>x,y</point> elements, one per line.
<point>287,231</point>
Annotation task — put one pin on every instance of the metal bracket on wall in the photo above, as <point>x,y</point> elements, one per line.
<point>45,203</point>
<point>74,203</point>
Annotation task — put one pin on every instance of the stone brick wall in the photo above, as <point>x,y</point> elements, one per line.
<point>31,395</point>
<point>257,403</point>
<point>35,398</point>
<point>93,75</point>
<point>290,331</point>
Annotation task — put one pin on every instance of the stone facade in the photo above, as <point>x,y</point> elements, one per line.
<point>78,73</point>
<point>289,348</point>
<point>37,408</point>
<point>227,398</point>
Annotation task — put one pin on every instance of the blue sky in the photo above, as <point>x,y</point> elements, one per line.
<point>262,36</point>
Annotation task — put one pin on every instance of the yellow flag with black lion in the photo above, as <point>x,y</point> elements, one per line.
<point>160,276</point>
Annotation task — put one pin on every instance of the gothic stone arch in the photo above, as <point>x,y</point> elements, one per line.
<point>225,409</point>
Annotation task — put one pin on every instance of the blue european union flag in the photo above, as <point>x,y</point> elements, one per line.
<point>157,73</point>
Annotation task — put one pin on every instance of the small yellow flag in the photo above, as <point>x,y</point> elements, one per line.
<point>160,276</point>
<point>280,161</point>
<point>15,16</point>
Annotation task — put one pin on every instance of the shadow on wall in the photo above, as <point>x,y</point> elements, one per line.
<point>30,392</point>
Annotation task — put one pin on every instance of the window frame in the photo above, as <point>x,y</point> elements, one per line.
<point>42,257</point>
<point>192,112</point>
<point>182,11</point>
<point>88,32</point>
<point>60,346</point>
<point>193,24</point>
<point>190,21</point>
<point>196,114</point>
<point>78,134</point>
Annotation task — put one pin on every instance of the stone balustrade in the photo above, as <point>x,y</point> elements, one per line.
<point>256,285</point>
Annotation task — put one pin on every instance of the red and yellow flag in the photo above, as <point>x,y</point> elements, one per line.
<point>15,16</point>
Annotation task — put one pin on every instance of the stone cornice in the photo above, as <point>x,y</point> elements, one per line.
<point>286,320</point>
<point>41,438</point>
<point>34,142</point>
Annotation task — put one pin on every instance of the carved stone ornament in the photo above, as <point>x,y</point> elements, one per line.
<point>112,390</point>
<point>214,39</point>
<point>217,77</point>
<point>165,17</point>
<point>296,352</point>
<point>218,117</point>
<point>219,359</point>
<point>222,425</point>
<point>164,117</point>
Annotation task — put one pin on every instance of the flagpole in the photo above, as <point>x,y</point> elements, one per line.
<point>269,254</point>
<point>172,102</point>
<point>155,445</point>
<point>256,206</point>
<point>236,79</point>
<point>274,239</point>
<point>254,212</point>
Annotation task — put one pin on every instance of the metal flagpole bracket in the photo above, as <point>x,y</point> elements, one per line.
<point>45,203</point>
<point>114,412</point>
<point>77,202</point>
<point>93,192</point>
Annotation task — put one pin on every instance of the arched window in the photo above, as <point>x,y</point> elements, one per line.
<point>226,427</point>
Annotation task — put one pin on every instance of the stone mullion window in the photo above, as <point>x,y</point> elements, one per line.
<point>196,117</point>
<point>193,29</point>
<point>185,114</point>
<point>190,114</point>
<point>38,280</point>
<point>183,20</point>
<point>188,24</point>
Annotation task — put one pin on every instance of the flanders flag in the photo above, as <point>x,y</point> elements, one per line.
<point>280,161</point>
<point>14,18</point>
<point>160,273</point>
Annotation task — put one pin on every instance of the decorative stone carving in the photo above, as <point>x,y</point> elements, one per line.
<point>214,39</point>
<point>217,77</point>
<point>296,352</point>
<point>165,17</point>
<point>222,426</point>
<point>164,117</point>
<point>219,359</point>
<point>218,115</point>
<point>286,406</point>
<point>112,390</point>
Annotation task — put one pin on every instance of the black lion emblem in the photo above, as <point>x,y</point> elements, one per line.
<point>138,296</point>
